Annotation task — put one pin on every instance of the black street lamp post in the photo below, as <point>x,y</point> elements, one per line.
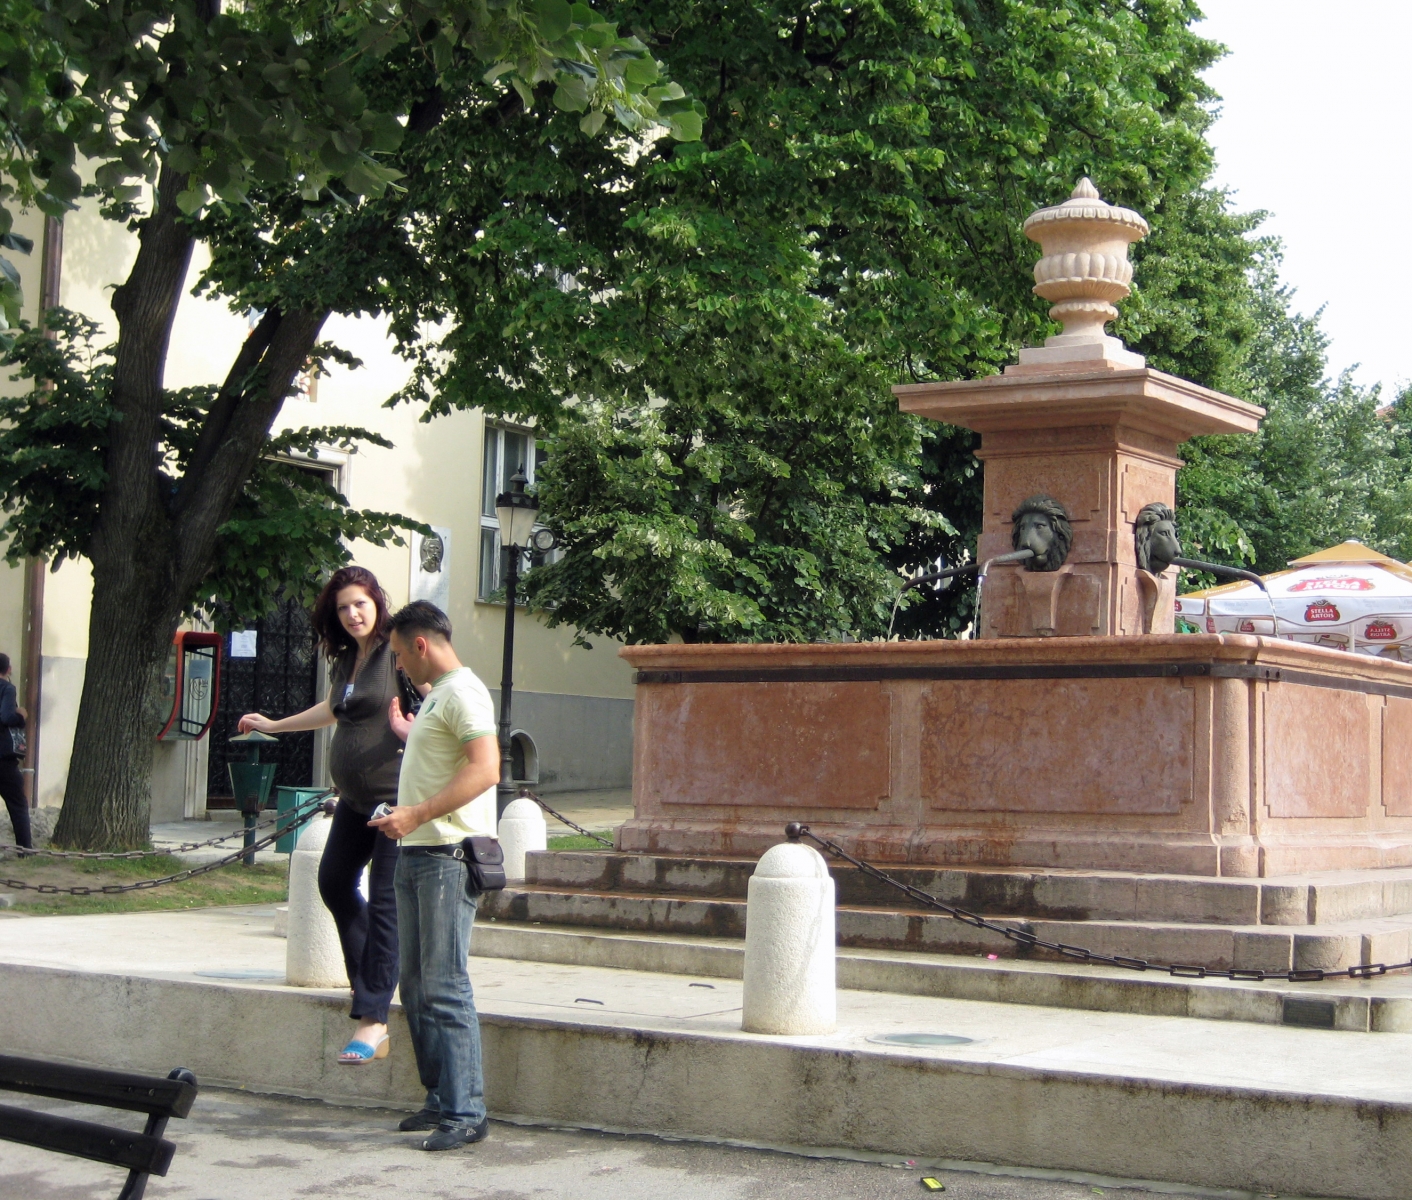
<point>516,512</point>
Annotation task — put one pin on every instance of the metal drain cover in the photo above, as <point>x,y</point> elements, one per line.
<point>921,1039</point>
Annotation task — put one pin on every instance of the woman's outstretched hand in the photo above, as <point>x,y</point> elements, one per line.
<point>401,725</point>
<point>256,721</point>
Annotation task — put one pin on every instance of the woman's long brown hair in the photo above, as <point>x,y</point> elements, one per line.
<point>333,638</point>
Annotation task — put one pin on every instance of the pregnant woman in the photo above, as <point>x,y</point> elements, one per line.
<point>350,619</point>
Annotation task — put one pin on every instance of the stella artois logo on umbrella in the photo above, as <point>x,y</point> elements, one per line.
<point>1332,583</point>
<point>1349,597</point>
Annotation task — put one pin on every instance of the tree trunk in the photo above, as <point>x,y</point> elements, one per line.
<point>155,540</point>
<point>107,801</point>
<point>137,597</point>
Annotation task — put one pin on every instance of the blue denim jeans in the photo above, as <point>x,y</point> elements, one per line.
<point>434,919</point>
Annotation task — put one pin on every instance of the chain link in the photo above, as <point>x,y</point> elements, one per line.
<point>184,848</point>
<point>558,816</point>
<point>1022,937</point>
<point>300,817</point>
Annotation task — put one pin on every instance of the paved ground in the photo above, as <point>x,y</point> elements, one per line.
<point>600,812</point>
<point>236,1146</point>
<point>235,948</point>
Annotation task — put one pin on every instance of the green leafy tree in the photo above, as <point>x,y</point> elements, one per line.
<point>287,529</point>
<point>314,116</point>
<point>1327,464</point>
<point>743,321</point>
<point>707,332</point>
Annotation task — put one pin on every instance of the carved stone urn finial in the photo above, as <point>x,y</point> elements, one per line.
<point>1085,269</point>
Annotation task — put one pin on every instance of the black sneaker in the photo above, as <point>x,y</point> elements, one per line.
<point>419,1121</point>
<point>448,1137</point>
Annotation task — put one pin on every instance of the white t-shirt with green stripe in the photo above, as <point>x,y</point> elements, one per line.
<point>456,710</point>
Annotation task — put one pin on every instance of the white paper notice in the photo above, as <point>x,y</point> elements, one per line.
<point>243,643</point>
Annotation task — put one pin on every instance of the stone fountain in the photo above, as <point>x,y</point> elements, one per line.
<point>1075,730</point>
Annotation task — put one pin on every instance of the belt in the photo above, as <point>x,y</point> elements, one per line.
<point>450,851</point>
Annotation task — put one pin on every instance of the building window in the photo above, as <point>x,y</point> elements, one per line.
<point>506,451</point>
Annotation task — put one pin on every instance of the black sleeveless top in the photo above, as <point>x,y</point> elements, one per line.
<point>366,756</point>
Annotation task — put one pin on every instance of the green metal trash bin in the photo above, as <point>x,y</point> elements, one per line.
<point>294,801</point>
<point>250,783</point>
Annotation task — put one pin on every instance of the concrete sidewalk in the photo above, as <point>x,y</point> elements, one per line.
<point>221,823</point>
<point>601,812</point>
<point>237,1146</point>
<point>1264,1108</point>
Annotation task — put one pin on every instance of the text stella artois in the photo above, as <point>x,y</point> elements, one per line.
<point>1333,583</point>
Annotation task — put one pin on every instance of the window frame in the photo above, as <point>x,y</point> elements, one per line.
<point>489,553</point>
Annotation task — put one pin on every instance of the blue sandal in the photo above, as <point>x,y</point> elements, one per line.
<point>356,1053</point>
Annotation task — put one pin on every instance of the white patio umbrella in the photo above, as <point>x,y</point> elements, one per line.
<point>1348,597</point>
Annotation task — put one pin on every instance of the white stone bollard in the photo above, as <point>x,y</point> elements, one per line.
<point>313,957</point>
<point>789,944</point>
<point>521,829</point>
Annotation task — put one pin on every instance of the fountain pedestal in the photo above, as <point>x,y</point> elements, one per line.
<point>1074,730</point>
<point>1184,755</point>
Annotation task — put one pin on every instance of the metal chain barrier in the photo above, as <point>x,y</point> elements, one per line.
<point>558,816</point>
<point>184,848</point>
<point>1021,937</point>
<point>301,817</point>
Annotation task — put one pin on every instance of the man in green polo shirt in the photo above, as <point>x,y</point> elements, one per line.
<point>446,792</point>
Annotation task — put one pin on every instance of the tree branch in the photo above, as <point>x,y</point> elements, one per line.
<point>238,380</point>
<point>245,428</point>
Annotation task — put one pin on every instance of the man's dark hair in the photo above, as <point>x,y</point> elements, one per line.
<point>4,664</point>
<point>420,617</point>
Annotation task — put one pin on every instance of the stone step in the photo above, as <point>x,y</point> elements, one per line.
<point>1245,947</point>
<point>1319,899</point>
<point>1374,1006</point>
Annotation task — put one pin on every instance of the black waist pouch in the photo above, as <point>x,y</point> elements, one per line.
<point>485,864</point>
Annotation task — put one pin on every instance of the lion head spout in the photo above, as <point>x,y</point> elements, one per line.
<point>1155,538</point>
<point>1041,524</point>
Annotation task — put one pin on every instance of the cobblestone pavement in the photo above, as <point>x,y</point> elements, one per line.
<point>237,1146</point>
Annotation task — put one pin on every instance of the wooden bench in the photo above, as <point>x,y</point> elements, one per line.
<point>143,1154</point>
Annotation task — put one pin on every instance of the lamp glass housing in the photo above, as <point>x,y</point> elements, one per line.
<point>516,511</point>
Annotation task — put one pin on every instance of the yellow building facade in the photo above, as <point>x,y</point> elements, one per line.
<point>572,707</point>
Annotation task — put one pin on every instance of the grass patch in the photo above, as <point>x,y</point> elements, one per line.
<point>235,884</point>
<point>575,841</point>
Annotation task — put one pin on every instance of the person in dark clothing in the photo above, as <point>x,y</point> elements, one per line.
<point>350,619</point>
<point>12,787</point>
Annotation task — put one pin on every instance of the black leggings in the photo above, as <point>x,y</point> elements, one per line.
<point>12,788</point>
<point>367,929</point>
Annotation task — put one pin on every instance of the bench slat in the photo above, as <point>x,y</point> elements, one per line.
<point>95,1085</point>
<point>84,1139</point>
